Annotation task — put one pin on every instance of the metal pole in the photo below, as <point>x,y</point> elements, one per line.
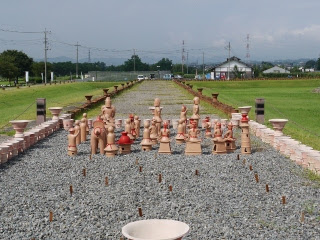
<point>45,55</point>
<point>203,64</point>
<point>229,62</point>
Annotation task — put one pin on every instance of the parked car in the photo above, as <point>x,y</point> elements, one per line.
<point>178,77</point>
<point>146,78</point>
<point>140,77</point>
<point>167,76</point>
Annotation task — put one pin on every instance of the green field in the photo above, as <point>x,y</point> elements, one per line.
<point>290,99</point>
<point>20,103</point>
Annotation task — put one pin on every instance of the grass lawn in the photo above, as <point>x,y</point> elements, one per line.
<point>20,103</point>
<point>290,99</point>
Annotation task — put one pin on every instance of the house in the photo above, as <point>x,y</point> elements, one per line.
<point>276,69</point>
<point>232,68</point>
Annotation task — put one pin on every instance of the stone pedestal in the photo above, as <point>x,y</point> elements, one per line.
<point>193,148</point>
<point>165,148</point>
<point>219,147</point>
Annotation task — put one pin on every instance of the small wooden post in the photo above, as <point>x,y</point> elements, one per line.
<point>140,211</point>
<point>140,169</point>
<point>267,188</point>
<point>238,157</point>
<point>90,156</point>
<point>84,172</point>
<point>302,217</point>
<point>106,181</point>
<point>244,161</point>
<point>250,167</point>
<point>283,199</point>
<point>170,188</point>
<point>197,172</point>
<point>50,216</point>
<point>71,190</point>
<point>160,178</point>
<point>137,161</point>
<point>256,177</point>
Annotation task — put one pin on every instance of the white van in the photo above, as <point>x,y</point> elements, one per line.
<point>140,77</point>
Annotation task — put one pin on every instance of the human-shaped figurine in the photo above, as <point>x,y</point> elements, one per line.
<point>86,121</point>
<point>230,141</point>
<point>157,114</point>
<point>108,112</point>
<point>127,128</point>
<point>207,126</point>
<point>219,145</point>
<point>133,129</point>
<point>153,132</point>
<point>146,143</point>
<point>111,149</point>
<point>77,129</point>
<point>165,140</point>
<point>193,146</point>
<point>83,130</point>
<point>137,125</point>
<point>183,117</point>
<point>195,110</point>
<point>72,146</point>
<point>180,138</point>
<point>98,136</point>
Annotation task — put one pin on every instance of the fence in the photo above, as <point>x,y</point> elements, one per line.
<point>122,76</point>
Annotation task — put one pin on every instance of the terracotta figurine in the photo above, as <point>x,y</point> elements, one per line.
<point>72,147</point>
<point>111,149</point>
<point>165,140</point>
<point>98,136</point>
<point>146,143</point>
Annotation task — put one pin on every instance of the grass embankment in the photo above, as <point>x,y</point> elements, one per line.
<point>14,102</point>
<point>290,99</point>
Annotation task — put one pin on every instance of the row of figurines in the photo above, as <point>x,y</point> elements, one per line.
<point>103,136</point>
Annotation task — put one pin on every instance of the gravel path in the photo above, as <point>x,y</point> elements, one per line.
<point>223,202</point>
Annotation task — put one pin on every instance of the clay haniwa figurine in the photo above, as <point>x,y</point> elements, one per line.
<point>146,143</point>
<point>137,126</point>
<point>108,112</point>
<point>86,121</point>
<point>219,145</point>
<point>128,129</point>
<point>157,115</point>
<point>183,116</point>
<point>195,109</point>
<point>165,140</point>
<point>77,129</point>
<point>193,146</point>
<point>72,147</point>
<point>207,126</point>
<point>153,132</point>
<point>98,136</point>
<point>132,126</point>
<point>180,138</point>
<point>111,149</point>
<point>83,130</point>
<point>230,141</point>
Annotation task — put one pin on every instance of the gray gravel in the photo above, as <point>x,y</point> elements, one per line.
<point>223,202</point>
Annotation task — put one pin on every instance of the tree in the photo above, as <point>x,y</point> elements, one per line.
<point>318,64</point>
<point>135,61</point>
<point>20,60</point>
<point>164,63</point>
<point>38,68</point>
<point>310,64</point>
<point>236,72</point>
<point>7,68</point>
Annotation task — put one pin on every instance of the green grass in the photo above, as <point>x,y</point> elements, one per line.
<point>290,99</point>
<point>20,103</point>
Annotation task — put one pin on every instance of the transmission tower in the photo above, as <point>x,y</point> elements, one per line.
<point>248,49</point>
<point>89,56</point>
<point>77,45</point>
<point>46,48</point>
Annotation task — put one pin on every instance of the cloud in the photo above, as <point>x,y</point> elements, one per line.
<point>309,31</point>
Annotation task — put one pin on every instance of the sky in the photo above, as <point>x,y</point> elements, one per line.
<point>154,29</point>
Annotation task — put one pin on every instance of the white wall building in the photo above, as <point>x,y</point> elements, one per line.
<point>276,69</point>
<point>233,67</point>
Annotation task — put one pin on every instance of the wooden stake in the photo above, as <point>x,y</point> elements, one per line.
<point>244,161</point>
<point>197,172</point>
<point>90,156</point>
<point>250,167</point>
<point>71,190</point>
<point>160,178</point>
<point>137,161</point>
<point>140,169</point>
<point>84,172</point>
<point>256,177</point>
<point>267,188</point>
<point>50,216</point>
<point>107,181</point>
<point>140,212</point>
<point>302,217</point>
<point>283,199</point>
<point>238,157</point>
<point>170,188</point>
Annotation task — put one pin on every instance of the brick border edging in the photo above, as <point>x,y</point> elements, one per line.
<point>227,109</point>
<point>100,99</point>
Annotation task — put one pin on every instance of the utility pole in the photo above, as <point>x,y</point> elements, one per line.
<point>203,64</point>
<point>89,57</point>
<point>45,54</point>
<point>248,49</point>
<point>229,48</point>
<point>77,45</point>
<point>187,62</point>
<point>182,57</point>
<point>134,61</point>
